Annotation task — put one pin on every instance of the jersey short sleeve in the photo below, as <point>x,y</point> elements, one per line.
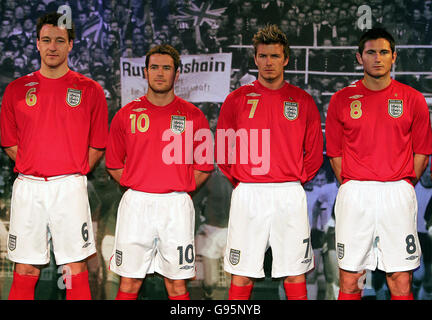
<point>8,127</point>
<point>99,119</point>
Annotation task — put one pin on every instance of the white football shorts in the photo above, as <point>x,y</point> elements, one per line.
<point>58,209</point>
<point>376,226</point>
<point>264,215</point>
<point>154,233</point>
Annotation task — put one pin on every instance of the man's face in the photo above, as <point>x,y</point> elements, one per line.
<point>377,58</point>
<point>270,60</point>
<point>54,46</point>
<point>316,16</point>
<point>160,73</point>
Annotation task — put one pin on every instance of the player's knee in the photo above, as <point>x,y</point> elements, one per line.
<point>350,282</point>
<point>241,281</point>
<point>130,285</point>
<point>400,283</point>
<point>27,270</point>
<point>175,287</point>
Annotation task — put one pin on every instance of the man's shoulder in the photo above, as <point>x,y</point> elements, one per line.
<point>82,79</point>
<point>29,80</point>
<point>353,91</point>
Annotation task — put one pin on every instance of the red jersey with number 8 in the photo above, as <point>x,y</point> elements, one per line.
<point>377,132</point>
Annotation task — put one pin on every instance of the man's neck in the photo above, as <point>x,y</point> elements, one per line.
<point>53,73</point>
<point>376,84</point>
<point>273,85</point>
<point>160,99</point>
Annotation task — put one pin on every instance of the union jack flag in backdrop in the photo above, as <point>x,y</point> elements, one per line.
<point>200,14</point>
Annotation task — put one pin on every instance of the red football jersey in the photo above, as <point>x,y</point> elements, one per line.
<point>155,145</point>
<point>377,132</point>
<point>53,122</point>
<point>279,135</point>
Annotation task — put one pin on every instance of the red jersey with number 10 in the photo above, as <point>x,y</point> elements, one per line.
<point>377,132</point>
<point>53,122</point>
<point>155,145</point>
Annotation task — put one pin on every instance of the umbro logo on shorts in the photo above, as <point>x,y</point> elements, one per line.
<point>186,267</point>
<point>86,245</point>
<point>234,256</point>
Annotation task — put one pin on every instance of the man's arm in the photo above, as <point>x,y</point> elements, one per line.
<point>420,164</point>
<point>94,156</point>
<point>200,177</point>
<point>11,152</point>
<point>336,164</point>
<point>116,174</point>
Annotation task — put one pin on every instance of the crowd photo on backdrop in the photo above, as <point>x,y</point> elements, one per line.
<point>215,150</point>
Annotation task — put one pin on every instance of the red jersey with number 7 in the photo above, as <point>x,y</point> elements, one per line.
<point>377,132</point>
<point>266,135</point>
<point>53,122</point>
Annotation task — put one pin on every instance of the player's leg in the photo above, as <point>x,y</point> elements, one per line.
<point>295,287</point>
<point>134,242</point>
<point>76,278</point>
<point>24,281</point>
<point>398,244</point>
<point>72,233</point>
<point>350,284</point>
<point>247,238</point>
<point>240,288</point>
<point>176,289</point>
<point>28,238</point>
<point>290,238</point>
<point>175,257</point>
<point>399,284</point>
<point>355,231</point>
<point>129,288</point>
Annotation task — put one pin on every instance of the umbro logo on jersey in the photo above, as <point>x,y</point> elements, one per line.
<point>253,94</point>
<point>139,109</point>
<point>357,96</point>
<point>137,99</point>
<point>31,84</point>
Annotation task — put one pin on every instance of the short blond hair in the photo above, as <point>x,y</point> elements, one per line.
<point>271,34</point>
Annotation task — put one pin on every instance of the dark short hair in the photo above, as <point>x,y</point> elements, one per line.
<point>53,18</point>
<point>271,34</point>
<point>164,49</point>
<point>373,34</point>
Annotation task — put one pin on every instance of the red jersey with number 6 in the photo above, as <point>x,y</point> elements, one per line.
<point>53,122</point>
<point>377,132</point>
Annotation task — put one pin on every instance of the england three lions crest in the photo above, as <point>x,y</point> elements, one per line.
<point>290,110</point>
<point>234,256</point>
<point>178,124</point>
<point>395,108</point>
<point>73,97</point>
